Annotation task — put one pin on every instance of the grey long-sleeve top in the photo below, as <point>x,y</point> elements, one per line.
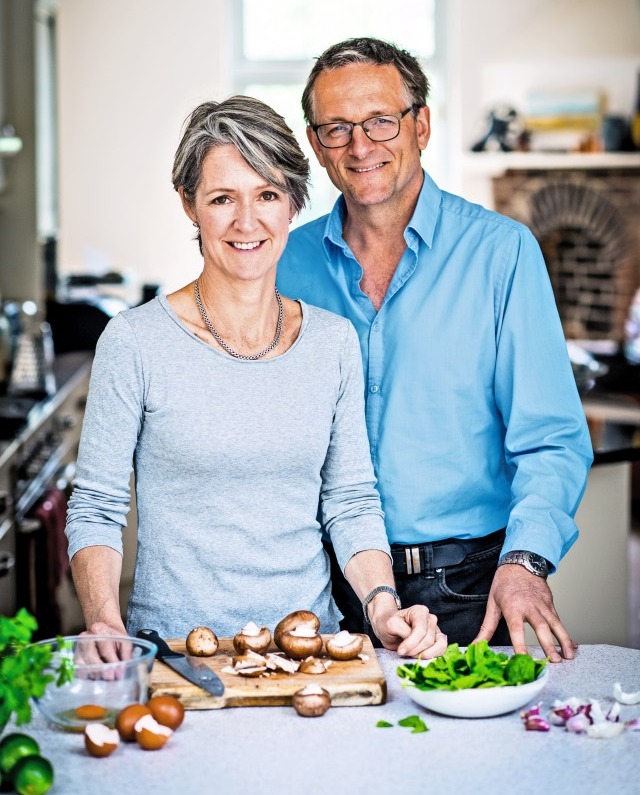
<point>231,460</point>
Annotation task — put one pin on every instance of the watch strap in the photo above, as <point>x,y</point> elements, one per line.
<point>531,561</point>
<point>372,595</point>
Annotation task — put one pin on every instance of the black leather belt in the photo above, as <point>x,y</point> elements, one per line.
<point>424,557</point>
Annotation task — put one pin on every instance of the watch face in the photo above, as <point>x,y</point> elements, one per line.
<point>537,564</point>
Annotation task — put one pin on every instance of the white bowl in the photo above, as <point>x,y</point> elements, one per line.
<point>477,702</point>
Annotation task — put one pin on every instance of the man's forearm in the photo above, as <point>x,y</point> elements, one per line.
<point>96,574</point>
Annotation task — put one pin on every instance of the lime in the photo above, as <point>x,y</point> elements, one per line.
<point>33,775</point>
<point>12,748</point>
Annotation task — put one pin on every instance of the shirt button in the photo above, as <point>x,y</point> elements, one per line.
<point>376,326</point>
<point>373,388</point>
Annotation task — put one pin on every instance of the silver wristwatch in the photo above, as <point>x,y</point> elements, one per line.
<point>536,564</point>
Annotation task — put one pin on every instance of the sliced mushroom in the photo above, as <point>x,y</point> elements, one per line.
<point>312,701</point>
<point>313,666</point>
<point>344,646</point>
<point>252,638</point>
<point>294,620</point>
<point>283,663</point>
<point>250,664</point>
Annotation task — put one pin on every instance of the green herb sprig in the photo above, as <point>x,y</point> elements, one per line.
<point>478,667</point>
<point>23,666</point>
<point>413,722</point>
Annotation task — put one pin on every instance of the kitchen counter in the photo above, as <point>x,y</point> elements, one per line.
<point>271,749</point>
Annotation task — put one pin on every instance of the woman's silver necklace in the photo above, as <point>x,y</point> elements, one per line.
<point>224,345</point>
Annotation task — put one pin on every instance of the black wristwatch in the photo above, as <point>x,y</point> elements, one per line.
<point>536,564</point>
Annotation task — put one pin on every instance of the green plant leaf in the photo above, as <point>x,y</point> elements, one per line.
<point>383,724</point>
<point>25,669</point>
<point>478,667</point>
<point>415,723</point>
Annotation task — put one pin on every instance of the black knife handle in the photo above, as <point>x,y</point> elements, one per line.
<point>164,650</point>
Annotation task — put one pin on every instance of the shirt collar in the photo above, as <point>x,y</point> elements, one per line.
<point>422,223</point>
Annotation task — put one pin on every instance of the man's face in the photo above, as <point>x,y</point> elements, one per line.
<point>367,172</point>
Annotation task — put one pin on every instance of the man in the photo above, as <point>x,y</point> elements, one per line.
<point>476,430</point>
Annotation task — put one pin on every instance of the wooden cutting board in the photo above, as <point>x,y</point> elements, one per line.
<point>350,684</point>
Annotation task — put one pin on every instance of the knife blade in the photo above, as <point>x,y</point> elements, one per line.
<point>202,677</point>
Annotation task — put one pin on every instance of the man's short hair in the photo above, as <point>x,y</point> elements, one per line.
<point>368,51</point>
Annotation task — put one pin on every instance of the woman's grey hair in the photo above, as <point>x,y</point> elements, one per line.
<point>259,134</point>
<point>368,51</point>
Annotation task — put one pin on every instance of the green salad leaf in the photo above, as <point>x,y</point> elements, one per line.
<point>478,666</point>
<point>414,723</point>
<point>384,724</point>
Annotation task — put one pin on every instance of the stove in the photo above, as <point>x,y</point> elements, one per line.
<point>38,458</point>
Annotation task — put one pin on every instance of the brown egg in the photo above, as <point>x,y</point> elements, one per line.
<point>150,734</point>
<point>127,719</point>
<point>100,740</point>
<point>167,710</point>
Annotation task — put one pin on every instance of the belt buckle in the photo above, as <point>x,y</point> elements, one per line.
<point>412,560</point>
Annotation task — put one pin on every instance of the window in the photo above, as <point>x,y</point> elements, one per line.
<point>277,41</point>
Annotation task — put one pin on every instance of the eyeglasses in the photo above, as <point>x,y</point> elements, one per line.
<point>377,128</point>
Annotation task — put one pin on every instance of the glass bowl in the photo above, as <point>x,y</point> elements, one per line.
<point>108,674</point>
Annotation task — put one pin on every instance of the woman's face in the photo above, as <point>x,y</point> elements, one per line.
<point>243,220</point>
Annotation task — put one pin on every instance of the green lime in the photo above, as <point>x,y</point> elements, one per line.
<point>33,775</point>
<point>12,748</point>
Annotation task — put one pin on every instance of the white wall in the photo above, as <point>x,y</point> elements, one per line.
<point>500,50</point>
<point>129,73</point>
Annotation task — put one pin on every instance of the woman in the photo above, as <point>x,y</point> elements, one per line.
<point>242,410</point>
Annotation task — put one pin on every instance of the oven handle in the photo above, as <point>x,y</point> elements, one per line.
<point>7,562</point>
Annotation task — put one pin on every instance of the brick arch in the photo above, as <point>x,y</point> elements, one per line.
<point>586,221</point>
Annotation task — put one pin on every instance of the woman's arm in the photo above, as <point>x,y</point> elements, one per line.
<point>410,631</point>
<point>100,501</point>
<point>351,512</point>
<point>96,575</point>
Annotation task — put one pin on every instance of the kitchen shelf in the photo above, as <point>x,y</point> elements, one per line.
<point>494,163</point>
<point>9,146</point>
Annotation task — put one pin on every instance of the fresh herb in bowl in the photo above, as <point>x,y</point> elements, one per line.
<point>23,666</point>
<point>477,667</point>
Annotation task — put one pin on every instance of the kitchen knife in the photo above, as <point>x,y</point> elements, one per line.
<point>204,677</point>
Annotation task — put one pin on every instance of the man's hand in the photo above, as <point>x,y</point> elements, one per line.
<point>411,632</point>
<point>522,597</point>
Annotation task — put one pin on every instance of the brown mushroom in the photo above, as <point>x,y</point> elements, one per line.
<point>344,646</point>
<point>294,620</point>
<point>252,638</point>
<point>202,642</point>
<point>312,701</point>
<point>312,666</point>
<point>301,642</point>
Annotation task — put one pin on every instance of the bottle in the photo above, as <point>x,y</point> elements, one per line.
<point>635,119</point>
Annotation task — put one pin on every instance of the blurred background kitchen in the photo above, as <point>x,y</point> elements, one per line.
<point>535,112</point>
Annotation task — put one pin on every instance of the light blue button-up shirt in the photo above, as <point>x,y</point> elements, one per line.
<point>472,411</point>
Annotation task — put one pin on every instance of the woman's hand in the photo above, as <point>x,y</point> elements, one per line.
<point>410,632</point>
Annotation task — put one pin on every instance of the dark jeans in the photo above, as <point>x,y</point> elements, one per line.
<point>456,594</point>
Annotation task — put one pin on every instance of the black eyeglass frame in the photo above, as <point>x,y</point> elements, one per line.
<point>399,116</point>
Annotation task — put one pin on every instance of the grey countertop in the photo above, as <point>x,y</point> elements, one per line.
<point>273,750</point>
